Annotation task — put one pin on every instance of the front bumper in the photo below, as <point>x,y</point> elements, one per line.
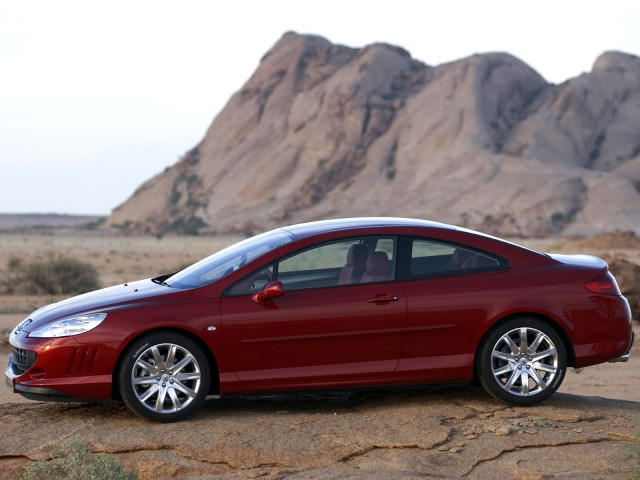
<point>15,370</point>
<point>42,393</point>
<point>61,369</point>
<point>9,377</point>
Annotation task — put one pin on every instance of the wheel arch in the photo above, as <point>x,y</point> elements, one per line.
<point>214,387</point>
<point>571,356</point>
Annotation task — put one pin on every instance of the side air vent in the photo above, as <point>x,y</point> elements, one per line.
<point>81,360</point>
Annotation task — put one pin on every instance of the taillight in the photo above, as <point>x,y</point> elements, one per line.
<point>604,284</point>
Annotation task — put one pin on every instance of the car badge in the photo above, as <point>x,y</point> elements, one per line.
<point>23,324</point>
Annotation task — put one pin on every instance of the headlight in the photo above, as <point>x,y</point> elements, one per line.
<point>70,326</point>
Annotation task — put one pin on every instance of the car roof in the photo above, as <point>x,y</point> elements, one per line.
<point>516,254</point>
<point>303,230</point>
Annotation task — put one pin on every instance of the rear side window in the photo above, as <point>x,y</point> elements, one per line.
<point>426,258</point>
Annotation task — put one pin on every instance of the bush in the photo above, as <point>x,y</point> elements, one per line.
<point>633,456</point>
<point>62,276</point>
<point>72,461</point>
<point>187,226</point>
<point>56,276</point>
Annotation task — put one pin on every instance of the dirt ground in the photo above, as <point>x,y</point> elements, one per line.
<point>429,432</point>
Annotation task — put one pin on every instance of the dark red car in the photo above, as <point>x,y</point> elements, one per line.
<point>338,303</point>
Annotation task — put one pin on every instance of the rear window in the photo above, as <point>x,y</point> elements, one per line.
<point>433,258</point>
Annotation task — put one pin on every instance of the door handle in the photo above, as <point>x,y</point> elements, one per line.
<point>384,298</point>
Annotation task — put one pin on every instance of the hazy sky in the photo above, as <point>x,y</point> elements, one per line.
<point>96,97</point>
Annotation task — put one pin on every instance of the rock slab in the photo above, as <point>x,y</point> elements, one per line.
<point>453,432</point>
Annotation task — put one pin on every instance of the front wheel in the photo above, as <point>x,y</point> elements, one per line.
<point>165,376</point>
<point>523,361</point>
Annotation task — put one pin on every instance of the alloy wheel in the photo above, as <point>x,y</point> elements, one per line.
<point>524,361</point>
<point>166,377</point>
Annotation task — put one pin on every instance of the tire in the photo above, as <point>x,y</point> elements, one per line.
<point>517,375</point>
<point>164,376</point>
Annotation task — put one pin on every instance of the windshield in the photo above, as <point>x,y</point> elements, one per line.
<point>227,261</point>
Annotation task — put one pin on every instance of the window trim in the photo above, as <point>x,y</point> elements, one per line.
<point>403,269</point>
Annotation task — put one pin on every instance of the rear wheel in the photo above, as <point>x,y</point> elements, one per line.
<point>523,361</point>
<point>165,376</point>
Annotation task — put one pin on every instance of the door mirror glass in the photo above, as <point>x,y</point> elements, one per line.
<point>269,291</point>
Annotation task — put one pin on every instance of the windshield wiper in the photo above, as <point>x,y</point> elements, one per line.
<point>162,279</point>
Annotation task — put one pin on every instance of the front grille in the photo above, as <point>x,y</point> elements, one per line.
<point>22,360</point>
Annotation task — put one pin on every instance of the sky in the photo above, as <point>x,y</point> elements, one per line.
<point>97,97</point>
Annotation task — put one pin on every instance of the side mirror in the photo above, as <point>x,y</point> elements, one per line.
<point>269,291</point>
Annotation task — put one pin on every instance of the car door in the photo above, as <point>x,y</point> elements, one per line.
<point>324,329</point>
<point>450,291</point>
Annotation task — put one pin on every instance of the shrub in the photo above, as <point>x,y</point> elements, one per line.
<point>175,196</point>
<point>62,276</point>
<point>188,226</point>
<point>72,461</point>
<point>15,264</point>
<point>192,179</point>
<point>632,454</point>
<point>193,156</point>
<point>55,276</point>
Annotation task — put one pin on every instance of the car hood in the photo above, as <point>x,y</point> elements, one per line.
<point>105,300</point>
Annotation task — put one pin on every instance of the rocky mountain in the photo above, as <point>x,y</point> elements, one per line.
<point>323,130</point>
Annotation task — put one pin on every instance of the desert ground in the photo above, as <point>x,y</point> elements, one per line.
<point>584,431</point>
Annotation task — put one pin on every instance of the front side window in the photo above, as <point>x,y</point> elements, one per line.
<point>352,261</point>
<point>431,258</point>
<point>346,262</point>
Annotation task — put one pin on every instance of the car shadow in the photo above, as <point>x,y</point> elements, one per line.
<point>347,399</point>
<point>329,402</point>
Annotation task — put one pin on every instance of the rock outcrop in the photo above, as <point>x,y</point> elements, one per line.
<point>323,130</point>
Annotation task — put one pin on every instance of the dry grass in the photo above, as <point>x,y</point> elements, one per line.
<point>117,259</point>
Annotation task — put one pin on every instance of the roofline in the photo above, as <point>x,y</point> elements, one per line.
<point>307,229</point>
<point>303,230</point>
